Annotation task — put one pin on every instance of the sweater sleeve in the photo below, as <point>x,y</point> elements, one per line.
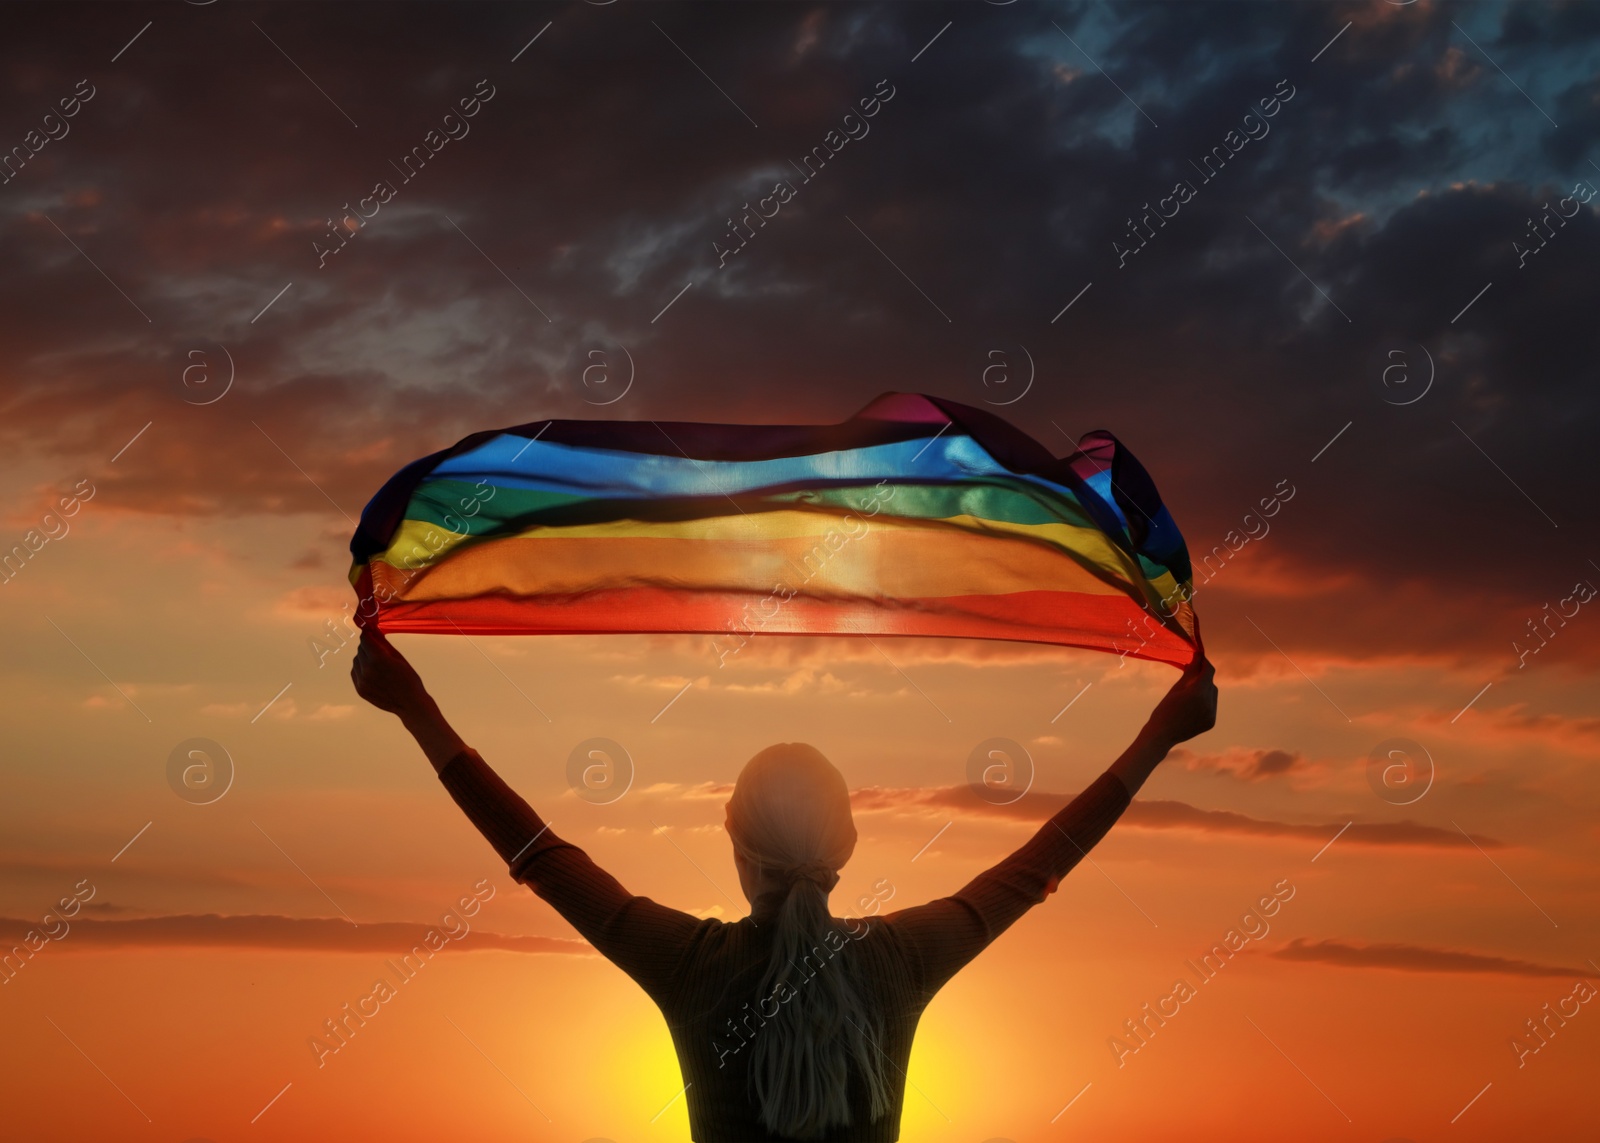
<point>645,939</point>
<point>942,936</point>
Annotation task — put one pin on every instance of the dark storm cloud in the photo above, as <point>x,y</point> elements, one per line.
<point>583,196</point>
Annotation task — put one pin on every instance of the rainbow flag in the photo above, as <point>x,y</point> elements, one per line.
<point>918,516</point>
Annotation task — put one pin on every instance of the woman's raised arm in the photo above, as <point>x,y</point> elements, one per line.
<point>384,677</point>
<point>1187,710</point>
<point>643,938</point>
<point>942,936</point>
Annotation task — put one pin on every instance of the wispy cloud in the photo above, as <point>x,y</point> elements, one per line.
<point>1415,958</point>
<point>1246,765</point>
<point>1181,815</point>
<point>269,931</point>
<point>1154,814</point>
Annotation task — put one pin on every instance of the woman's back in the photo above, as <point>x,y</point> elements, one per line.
<point>706,975</point>
<point>717,1011</point>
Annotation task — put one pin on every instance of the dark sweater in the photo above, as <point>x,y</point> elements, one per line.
<point>703,973</point>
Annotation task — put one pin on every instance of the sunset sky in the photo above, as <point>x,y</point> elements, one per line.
<point>1378,306</point>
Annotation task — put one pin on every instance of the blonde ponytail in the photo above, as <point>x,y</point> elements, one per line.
<point>824,1033</point>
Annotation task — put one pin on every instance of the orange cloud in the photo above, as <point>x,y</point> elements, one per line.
<point>1514,724</point>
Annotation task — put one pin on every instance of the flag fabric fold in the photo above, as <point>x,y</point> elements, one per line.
<point>918,516</point>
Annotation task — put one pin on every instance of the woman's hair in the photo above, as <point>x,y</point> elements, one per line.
<point>790,815</point>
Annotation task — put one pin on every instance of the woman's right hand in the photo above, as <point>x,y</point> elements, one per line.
<point>1190,707</point>
<point>384,678</point>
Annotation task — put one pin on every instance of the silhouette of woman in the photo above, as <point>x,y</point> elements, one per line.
<point>791,1023</point>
